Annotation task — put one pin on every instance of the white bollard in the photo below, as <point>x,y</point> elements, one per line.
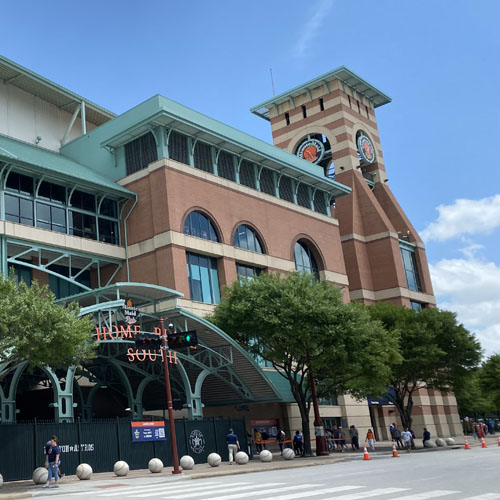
<point>155,465</point>
<point>1,480</point>
<point>241,458</point>
<point>266,456</point>
<point>214,460</point>
<point>84,471</point>
<point>288,454</point>
<point>40,475</point>
<point>186,462</point>
<point>121,468</point>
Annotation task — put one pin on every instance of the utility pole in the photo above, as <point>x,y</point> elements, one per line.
<point>173,438</point>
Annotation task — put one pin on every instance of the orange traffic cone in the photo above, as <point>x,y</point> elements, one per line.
<point>394,451</point>
<point>365,454</point>
<point>467,447</point>
<point>483,443</point>
<point>499,441</point>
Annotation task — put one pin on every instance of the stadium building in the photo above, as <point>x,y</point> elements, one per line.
<point>150,212</point>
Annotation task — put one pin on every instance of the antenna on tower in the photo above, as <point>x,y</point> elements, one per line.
<point>272,81</point>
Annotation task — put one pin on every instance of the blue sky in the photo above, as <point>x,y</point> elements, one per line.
<point>438,60</point>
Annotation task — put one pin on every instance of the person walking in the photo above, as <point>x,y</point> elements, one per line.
<point>233,445</point>
<point>257,436</point>
<point>342,436</point>
<point>53,452</point>
<point>396,433</point>
<point>370,439</point>
<point>298,443</point>
<point>265,438</point>
<point>281,438</point>
<point>354,435</point>
<point>406,435</point>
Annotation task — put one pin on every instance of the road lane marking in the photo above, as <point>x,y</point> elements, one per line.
<point>225,488</point>
<point>173,491</point>
<point>428,494</point>
<point>486,496</point>
<point>267,492</point>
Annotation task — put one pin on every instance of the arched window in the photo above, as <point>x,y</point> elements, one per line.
<point>247,238</point>
<point>199,225</point>
<point>304,259</point>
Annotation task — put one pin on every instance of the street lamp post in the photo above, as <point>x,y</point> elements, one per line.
<point>173,439</point>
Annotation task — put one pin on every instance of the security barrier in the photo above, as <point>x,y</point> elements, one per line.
<point>101,443</point>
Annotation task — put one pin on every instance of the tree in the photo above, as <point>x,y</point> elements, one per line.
<point>33,328</point>
<point>300,324</point>
<point>489,379</point>
<point>472,399</point>
<point>436,351</point>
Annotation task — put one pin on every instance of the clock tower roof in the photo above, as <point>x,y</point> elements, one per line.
<point>342,74</point>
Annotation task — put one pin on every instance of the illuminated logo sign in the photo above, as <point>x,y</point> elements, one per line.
<point>311,150</point>
<point>366,149</point>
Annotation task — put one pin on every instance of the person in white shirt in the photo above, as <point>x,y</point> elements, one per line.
<point>406,435</point>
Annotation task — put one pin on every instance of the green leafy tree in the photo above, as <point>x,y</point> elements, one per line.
<point>472,399</point>
<point>489,380</point>
<point>33,328</point>
<point>436,351</point>
<point>299,324</point>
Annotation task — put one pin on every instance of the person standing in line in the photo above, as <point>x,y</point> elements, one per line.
<point>265,438</point>
<point>354,435</point>
<point>370,439</point>
<point>54,452</point>
<point>233,445</point>
<point>281,438</point>
<point>257,436</point>
<point>406,435</point>
<point>427,435</point>
<point>397,437</point>
<point>298,443</point>
<point>342,436</point>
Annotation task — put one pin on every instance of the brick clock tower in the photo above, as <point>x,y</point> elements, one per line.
<point>331,121</point>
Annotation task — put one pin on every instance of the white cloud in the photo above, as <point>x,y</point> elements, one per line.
<point>311,27</point>
<point>464,217</point>
<point>471,288</point>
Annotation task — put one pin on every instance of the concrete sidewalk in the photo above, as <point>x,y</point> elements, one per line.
<point>104,480</point>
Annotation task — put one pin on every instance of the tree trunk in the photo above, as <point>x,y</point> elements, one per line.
<point>307,436</point>
<point>405,410</point>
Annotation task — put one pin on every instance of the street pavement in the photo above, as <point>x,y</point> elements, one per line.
<point>448,473</point>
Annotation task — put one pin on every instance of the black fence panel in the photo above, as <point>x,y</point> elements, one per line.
<point>101,443</point>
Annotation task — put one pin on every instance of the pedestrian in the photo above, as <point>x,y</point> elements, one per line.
<point>61,474</point>
<point>370,439</point>
<point>413,447</point>
<point>396,433</point>
<point>233,445</point>
<point>474,431</point>
<point>329,439</point>
<point>427,436</point>
<point>391,430</point>
<point>281,438</point>
<point>336,438</point>
<point>479,431</point>
<point>354,435</point>
<point>298,443</point>
<point>258,440</point>
<point>53,452</point>
<point>491,427</point>
<point>406,435</point>
<point>265,438</point>
<point>342,436</point>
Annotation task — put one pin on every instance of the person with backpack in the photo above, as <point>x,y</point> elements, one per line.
<point>298,443</point>
<point>281,438</point>
<point>265,437</point>
<point>53,452</point>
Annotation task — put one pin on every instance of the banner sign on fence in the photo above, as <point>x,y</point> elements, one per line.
<point>147,431</point>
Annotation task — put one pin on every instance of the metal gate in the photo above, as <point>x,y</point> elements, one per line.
<point>101,443</point>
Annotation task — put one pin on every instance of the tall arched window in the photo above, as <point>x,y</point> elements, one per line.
<point>304,259</point>
<point>199,225</point>
<point>246,238</point>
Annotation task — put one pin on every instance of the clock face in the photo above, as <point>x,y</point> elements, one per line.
<point>366,149</point>
<point>311,150</point>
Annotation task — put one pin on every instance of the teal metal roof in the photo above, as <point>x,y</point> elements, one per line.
<point>342,73</point>
<point>281,384</point>
<point>159,110</point>
<point>25,79</point>
<point>56,166</point>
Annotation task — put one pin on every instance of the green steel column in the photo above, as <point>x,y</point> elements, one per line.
<point>161,141</point>
<point>4,268</point>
